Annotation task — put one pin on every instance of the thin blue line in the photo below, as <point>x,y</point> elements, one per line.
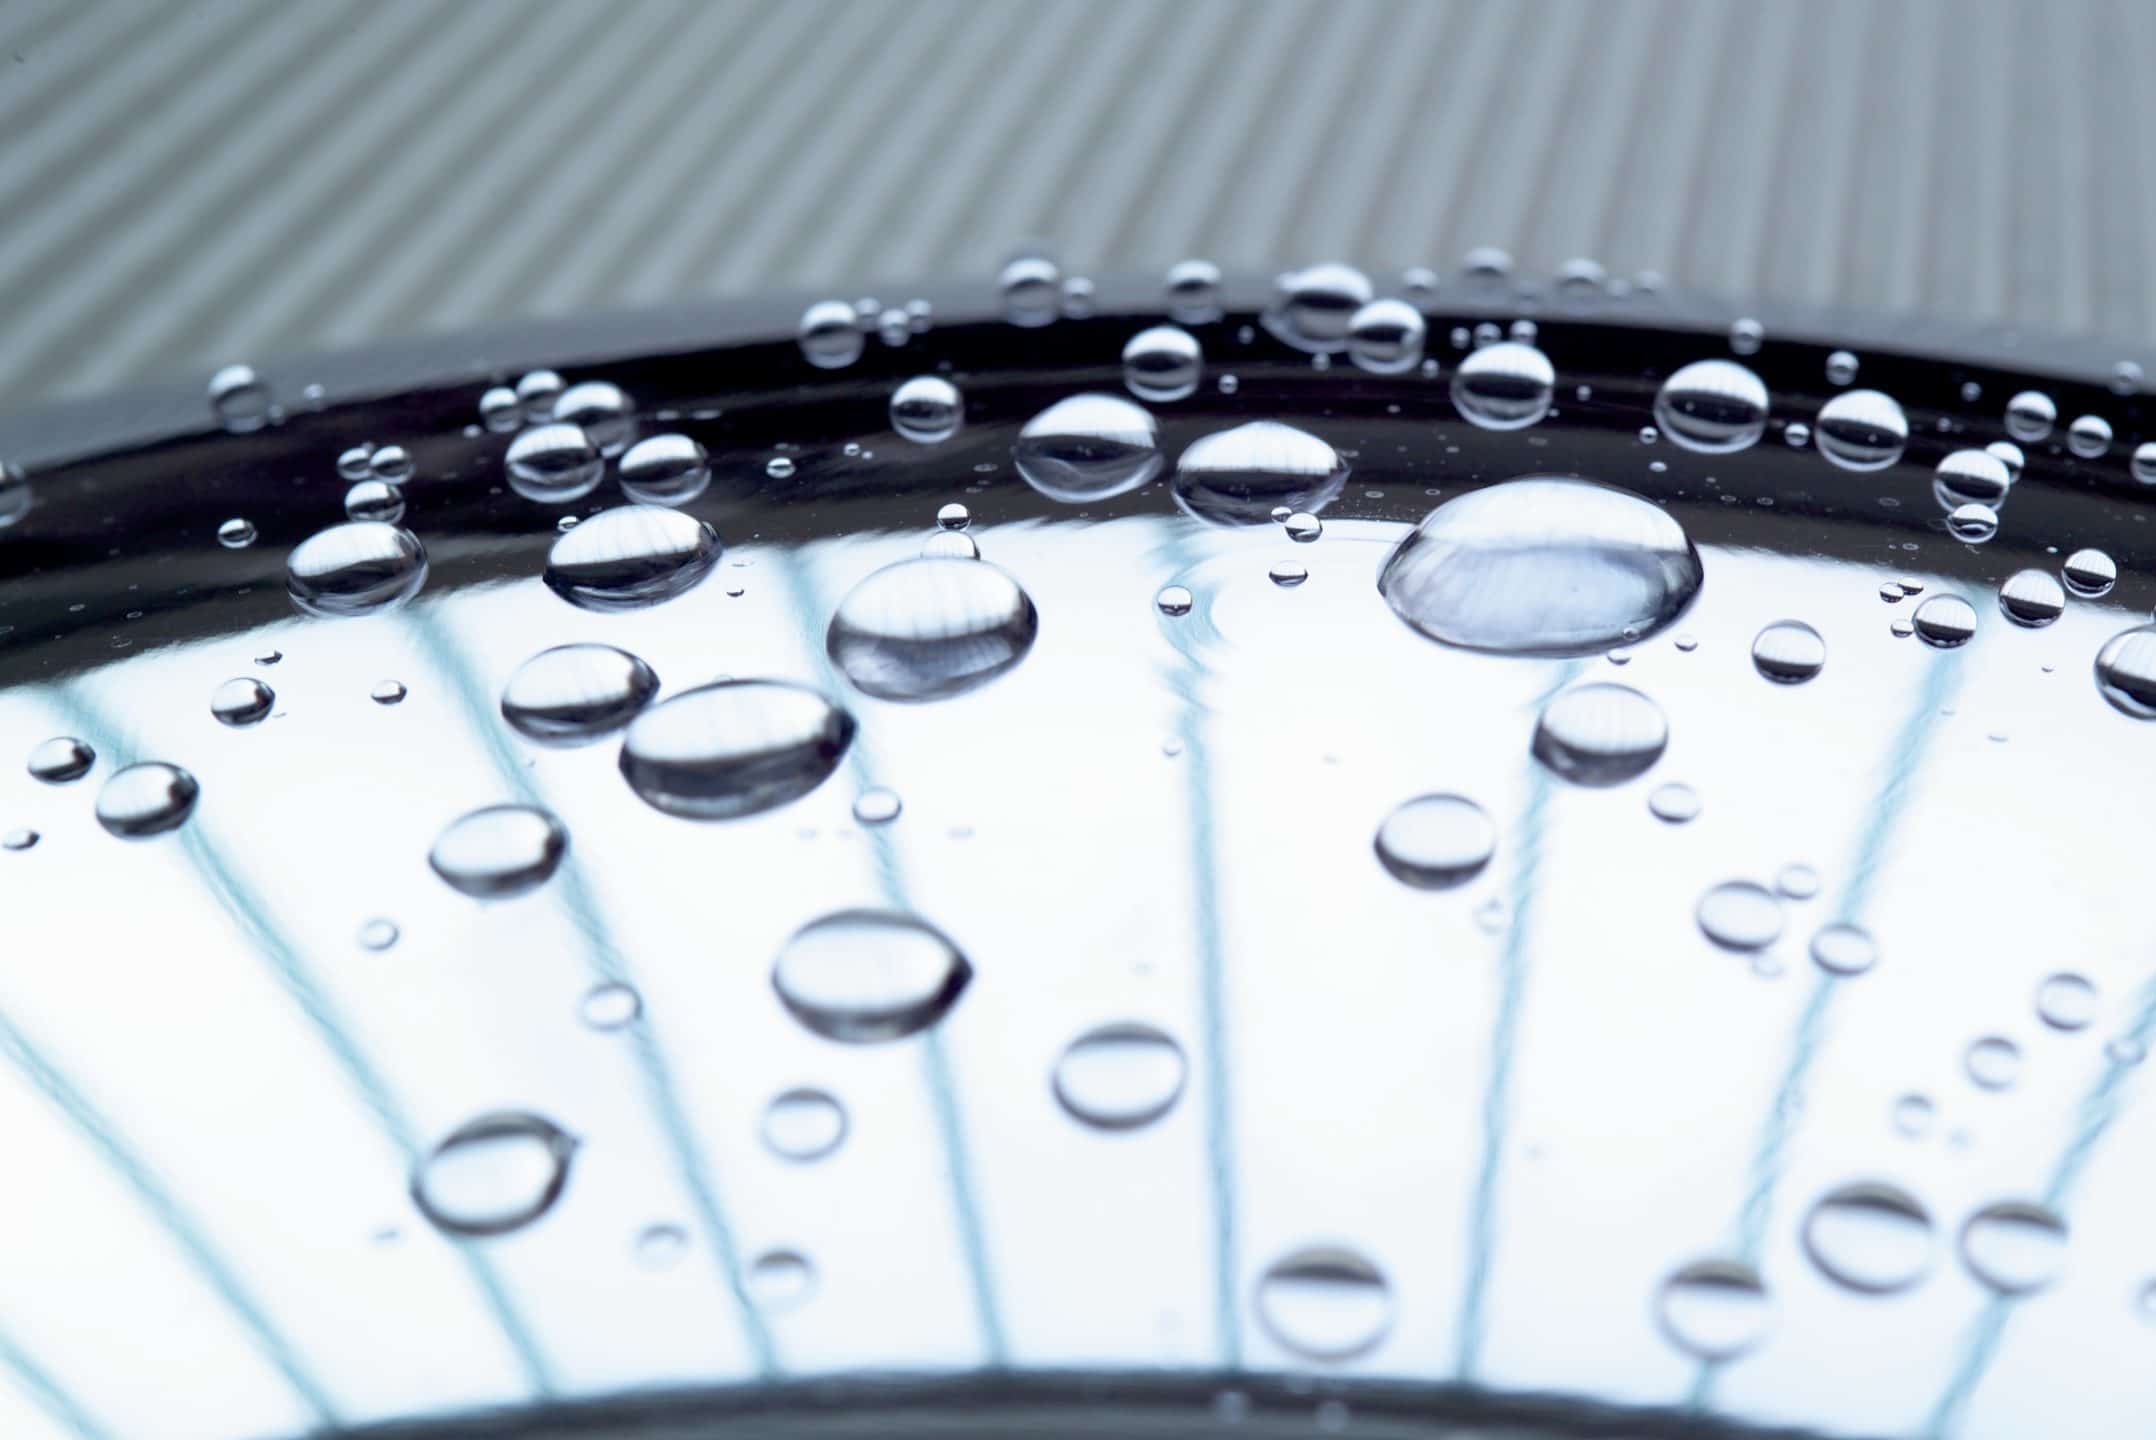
<point>48,1393</point>
<point>574,890</point>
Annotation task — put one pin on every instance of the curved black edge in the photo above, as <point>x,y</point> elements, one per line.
<point>72,430</point>
<point>1086,1405</point>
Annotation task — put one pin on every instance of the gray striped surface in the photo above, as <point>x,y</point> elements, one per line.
<point>185,185</point>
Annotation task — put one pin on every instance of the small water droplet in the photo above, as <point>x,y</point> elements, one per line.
<point>877,806</point>
<point>1972,524</point>
<point>572,694</point>
<point>1600,734</point>
<point>2089,436</point>
<point>734,748</point>
<point>1746,336</point>
<point>1288,574</point>
<point>660,1247</point>
<point>392,463</point>
<point>2014,1247</point>
<point>1797,882</point>
<point>2090,573</point>
<point>1193,291</point>
<point>2030,416</point>
<point>611,1005</point>
<point>1032,289</point>
<point>493,1175</point>
<point>1088,447</point>
<point>927,410</point>
<point>1240,476</point>
<point>15,496</point>
<point>1675,803</point>
<point>630,557</point>
<point>19,839</point>
<point>865,976</point>
<point>1712,406</point>
<point>1972,477</point>
<point>1312,308</point>
<point>1174,600</point>
<point>240,399</point>
<point>378,934</point>
<point>1506,386</point>
<point>779,1280</point>
<point>803,1124</point>
<point>1913,1115</point>
<point>1993,1062</point>
<point>602,411</point>
<point>1436,842</point>
<point>499,409</point>
<point>830,335</point>
<point>2126,672</point>
<point>237,533</point>
<point>1325,1302</point>
<point>665,470</point>
<point>1385,337</point>
<point>1740,915</point>
<point>1844,949</point>
<point>242,701</point>
<point>499,851</point>
<point>536,392</point>
<point>1862,430</point>
<point>1841,368</point>
<point>778,467</point>
<point>356,568</point>
<point>1163,364</point>
<point>2066,1001</point>
<point>1303,528</point>
<point>61,759</point>
<point>1945,621</point>
<point>1120,1077</point>
<point>1789,652</point>
<point>1714,1309</point>
<point>2032,598</point>
<point>929,629</point>
<point>1870,1237</point>
<point>554,464</point>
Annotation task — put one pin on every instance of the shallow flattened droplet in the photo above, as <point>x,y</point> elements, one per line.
<point>2014,1247</point>
<point>1163,364</point>
<point>1600,734</point>
<point>610,1005</point>
<point>240,399</point>
<point>1993,1062</point>
<point>553,464</point>
<point>1972,477</point>
<point>1972,524</point>
<point>929,629</point>
<point>2032,598</point>
<point>146,799</point>
<point>1714,1309</point>
<point>61,759</point>
<point>1713,406</point>
<point>1385,337</point>
<point>779,1280</point>
<point>1675,803</point>
<point>1302,528</point>
<point>803,1124</point>
<point>1173,600</point>
<point>1325,1302</point>
<point>378,934</point>
<point>1740,915</point>
<point>950,545</point>
<point>1913,1115</point>
<point>242,701</point>
<point>358,568</point>
<point>1789,652</point>
<point>1193,291</point>
<point>1288,574</point>
<point>2089,436</point>
<point>499,851</point>
<point>927,410</point>
<point>388,692</point>
<point>1945,621</point>
<point>1870,1237</point>
<point>1120,1077</point>
<point>1506,386</point>
<point>1543,565</point>
<point>660,1247</point>
<point>877,806</point>
<point>572,694</point>
<point>1844,949</point>
<point>1797,882</point>
<point>2066,1001</point>
<point>665,470</point>
<point>493,1175</point>
<point>2126,672</point>
<point>1088,447</point>
<point>1436,842</point>
<point>602,411</point>
<point>1861,430</point>
<point>1312,307</point>
<point>374,500</point>
<point>237,533</point>
<point>2089,573</point>
<point>2030,416</point>
<point>1240,476</point>
<point>630,557</point>
<point>734,748</point>
<point>867,976</point>
<point>21,838</point>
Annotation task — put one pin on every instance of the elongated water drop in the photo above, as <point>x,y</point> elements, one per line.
<point>930,629</point>
<point>630,557</point>
<point>868,976</point>
<point>734,748</point>
<point>494,1174</point>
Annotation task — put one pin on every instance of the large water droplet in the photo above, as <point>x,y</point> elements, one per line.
<point>1542,566</point>
<point>1600,734</point>
<point>863,976</point>
<point>1972,477</point>
<point>553,464</point>
<point>630,557</point>
<point>240,399</point>
<point>2030,416</point>
<point>1789,652</point>
<point>830,336</point>
<point>146,799</point>
<point>734,748</point>
<point>2032,598</point>
<point>357,568</point>
<point>2089,573</point>
<point>803,1124</point>
<point>1844,949</point>
<point>665,470</point>
<point>572,694</point>
<point>1239,476</point>
<point>499,851</point>
<point>1385,337</point>
<point>2014,1247</point>
<point>2066,1001</point>
<point>1862,430</point>
<point>1162,364</point>
<point>242,701</point>
<point>1436,842</point>
<point>1740,915</point>
<point>1873,1238</point>
<point>1713,406</point>
<point>600,409</point>
<point>1945,621</point>
<point>1312,307</point>
<point>1088,447</point>
<point>931,628</point>
<point>2126,671</point>
<point>1506,386</point>
<point>61,759</point>
<point>1714,1309</point>
<point>1325,1302</point>
<point>494,1174</point>
<point>1120,1077</point>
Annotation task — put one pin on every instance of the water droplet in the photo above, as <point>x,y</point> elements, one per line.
<point>1841,368</point>
<point>2007,453</point>
<point>1436,842</point>
<point>803,1124</point>
<point>378,934</point>
<point>1675,802</point>
<point>1972,477</point>
<point>1740,915</point>
<point>829,335</point>
<point>1797,882</point>
<point>2030,416</point>
<point>953,516</point>
<point>894,327</point>
<point>1945,621</point>
<point>1746,336</point>
<point>499,851</point>
<point>611,1005</point>
<point>1506,386</point>
<point>1542,566</point>
<point>499,410</point>
<point>1174,600</point>
<point>1913,1115</point>
<point>660,1247</point>
<point>2066,1001</point>
<point>734,748</point>
<point>572,694</point>
<point>494,1174</point>
<point>778,467</point>
<point>388,692</point>
<point>929,629</point>
<point>392,463</point>
<point>357,462</point>
<point>1862,430</point>
<point>1789,652</point>
<point>877,806</point>
<point>1993,1062</point>
<point>1713,406</point>
<point>1972,524</point>
<point>1120,1077</point>
<point>237,533</point>
<point>355,569</point>
<point>1162,364</point>
<point>630,557</point>
<point>61,759</point>
<point>1031,286</point>
<point>1385,337</point>
<point>2126,671</point>
<point>863,976</point>
<point>2089,436</point>
<point>1312,308</point>
<point>779,1280</point>
<point>927,409</point>
<point>1600,734</point>
<point>602,411</point>
<point>1714,1309</point>
<point>2090,573</point>
<point>1193,291</point>
<point>945,545</point>
<point>1088,447</point>
<point>15,496</point>
<point>554,464</point>
<point>537,392</point>
<point>1870,1237</point>
<point>1302,528</point>
<point>2014,1247</point>
<point>1844,949</point>
<point>1325,1302</point>
<point>146,799</point>
<point>19,839</point>
<point>240,399</point>
<point>665,470</point>
<point>1239,476</point>
<point>377,500</point>
<point>2031,598</point>
<point>2142,465</point>
<point>242,701</point>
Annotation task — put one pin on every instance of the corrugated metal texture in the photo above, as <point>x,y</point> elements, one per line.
<point>187,184</point>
